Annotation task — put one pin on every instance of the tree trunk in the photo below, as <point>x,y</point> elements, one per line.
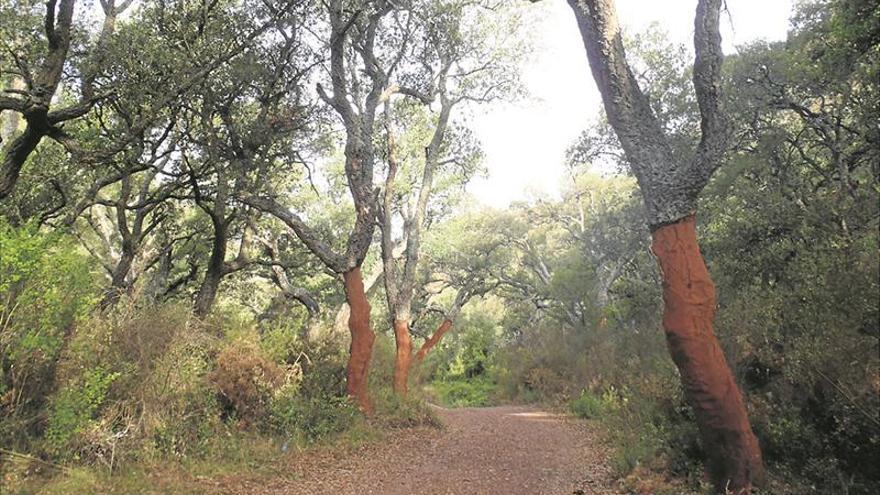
<point>159,278</point>
<point>208,292</point>
<point>213,273</point>
<point>15,155</point>
<point>362,338</point>
<point>404,356</point>
<point>117,283</point>
<point>433,340</point>
<point>689,297</point>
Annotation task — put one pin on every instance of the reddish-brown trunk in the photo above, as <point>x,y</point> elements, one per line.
<point>404,356</point>
<point>689,297</point>
<point>434,339</point>
<point>362,338</point>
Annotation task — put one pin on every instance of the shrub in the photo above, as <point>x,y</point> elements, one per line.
<point>545,383</point>
<point>159,401</point>
<point>311,418</point>
<point>477,392</point>
<point>246,381</point>
<point>395,411</point>
<point>45,289</point>
<point>323,370</point>
<point>76,406</point>
<point>280,343</point>
<point>182,416</point>
<point>587,406</point>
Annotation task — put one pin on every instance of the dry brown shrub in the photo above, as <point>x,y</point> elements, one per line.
<point>245,381</point>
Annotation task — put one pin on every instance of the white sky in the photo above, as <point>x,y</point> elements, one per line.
<point>525,143</point>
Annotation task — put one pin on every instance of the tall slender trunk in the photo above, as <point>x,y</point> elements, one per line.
<point>404,356</point>
<point>159,280</point>
<point>689,297</point>
<point>434,339</point>
<point>362,338</point>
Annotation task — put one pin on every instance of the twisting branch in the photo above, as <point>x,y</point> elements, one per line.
<point>310,238</point>
<point>707,86</point>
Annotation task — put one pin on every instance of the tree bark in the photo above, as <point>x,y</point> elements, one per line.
<point>362,338</point>
<point>15,156</point>
<point>214,272</point>
<point>429,344</point>
<point>670,188</point>
<point>404,356</point>
<point>118,280</point>
<point>689,297</point>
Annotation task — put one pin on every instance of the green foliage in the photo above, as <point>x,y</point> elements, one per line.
<point>590,405</point>
<point>76,406</point>
<point>280,343</point>
<point>311,418</point>
<point>395,411</point>
<point>474,392</point>
<point>467,351</point>
<point>472,358</point>
<point>46,288</point>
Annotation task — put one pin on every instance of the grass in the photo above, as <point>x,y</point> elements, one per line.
<point>239,455</point>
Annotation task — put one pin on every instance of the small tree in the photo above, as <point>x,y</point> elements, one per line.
<point>460,61</point>
<point>360,71</point>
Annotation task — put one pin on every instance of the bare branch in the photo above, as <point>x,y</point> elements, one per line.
<point>324,252</point>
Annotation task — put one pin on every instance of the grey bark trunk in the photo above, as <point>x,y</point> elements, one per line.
<point>214,272</point>
<point>670,188</point>
<point>118,283</point>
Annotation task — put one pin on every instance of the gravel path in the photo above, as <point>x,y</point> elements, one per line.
<point>507,450</point>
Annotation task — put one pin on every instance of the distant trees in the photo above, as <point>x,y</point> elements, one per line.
<point>464,257</point>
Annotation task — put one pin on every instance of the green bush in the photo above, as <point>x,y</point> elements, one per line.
<point>76,406</point>
<point>476,392</point>
<point>45,289</point>
<point>590,405</point>
<point>311,418</point>
<point>395,411</point>
<point>587,406</point>
<point>280,342</point>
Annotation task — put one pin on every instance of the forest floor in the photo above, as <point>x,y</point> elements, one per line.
<point>492,450</point>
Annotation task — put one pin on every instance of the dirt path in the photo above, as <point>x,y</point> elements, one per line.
<point>506,450</point>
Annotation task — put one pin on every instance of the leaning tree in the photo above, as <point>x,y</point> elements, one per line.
<point>670,183</point>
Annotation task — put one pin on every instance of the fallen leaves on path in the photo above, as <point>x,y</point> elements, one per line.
<point>495,450</point>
